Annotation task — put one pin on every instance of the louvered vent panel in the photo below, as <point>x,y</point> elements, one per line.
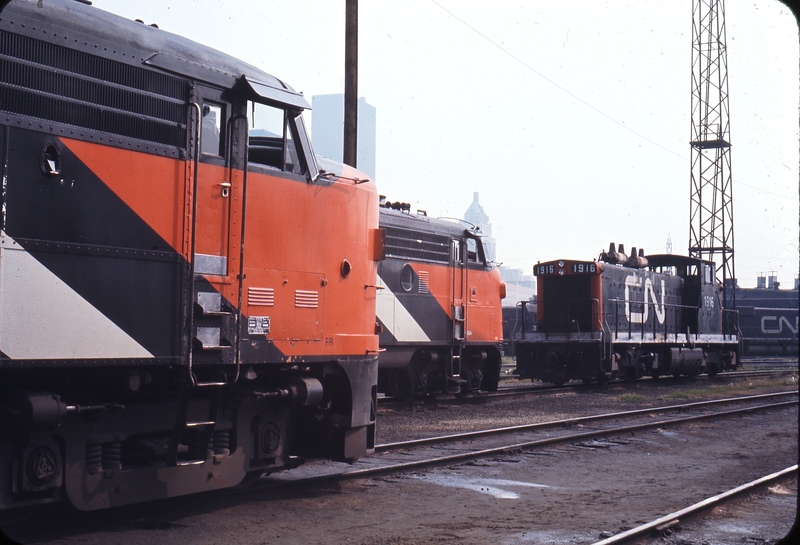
<point>261,297</point>
<point>423,281</point>
<point>306,299</point>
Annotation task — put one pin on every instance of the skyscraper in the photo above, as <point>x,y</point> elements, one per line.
<point>327,130</point>
<point>476,216</point>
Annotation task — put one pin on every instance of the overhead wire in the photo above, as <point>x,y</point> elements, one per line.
<point>579,99</point>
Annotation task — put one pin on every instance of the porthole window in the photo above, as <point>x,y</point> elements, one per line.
<point>51,160</point>
<point>407,277</point>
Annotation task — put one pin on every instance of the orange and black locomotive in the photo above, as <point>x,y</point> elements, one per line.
<point>186,298</point>
<point>439,311</point>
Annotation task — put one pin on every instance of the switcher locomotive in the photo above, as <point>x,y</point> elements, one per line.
<point>186,299</point>
<point>439,309</point>
<point>625,317</point>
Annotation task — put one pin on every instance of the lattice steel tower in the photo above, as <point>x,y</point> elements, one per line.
<point>711,213</point>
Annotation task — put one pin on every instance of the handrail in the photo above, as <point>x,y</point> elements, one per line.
<point>560,317</point>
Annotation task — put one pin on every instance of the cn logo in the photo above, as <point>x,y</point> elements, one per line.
<point>773,325</point>
<point>634,281</point>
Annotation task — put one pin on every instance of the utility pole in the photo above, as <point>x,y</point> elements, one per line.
<point>349,153</point>
<point>711,210</point>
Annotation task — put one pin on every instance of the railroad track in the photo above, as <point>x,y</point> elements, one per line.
<point>405,456</point>
<point>509,391</point>
<point>773,361</point>
<point>662,524</point>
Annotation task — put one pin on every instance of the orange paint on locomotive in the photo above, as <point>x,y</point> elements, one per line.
<point>157,194</point>
<point>296,244</point>
<point>297,247</point>
<point>480,297</point>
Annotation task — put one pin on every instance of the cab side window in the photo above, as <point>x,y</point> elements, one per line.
<point>278,140</point>
<point>267,128</point>
<point>455,252</point>
<point>472,251</point>
<point>211,129</point>
<point>475,253</point>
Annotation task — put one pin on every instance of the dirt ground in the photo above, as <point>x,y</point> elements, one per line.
<point>565,494</point>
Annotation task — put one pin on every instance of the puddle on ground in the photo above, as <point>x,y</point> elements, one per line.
<point>492,487</point>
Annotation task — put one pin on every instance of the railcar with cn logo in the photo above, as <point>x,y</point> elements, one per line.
<point>625,317</point>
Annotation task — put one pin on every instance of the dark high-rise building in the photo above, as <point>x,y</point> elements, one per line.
<point>327,130</point>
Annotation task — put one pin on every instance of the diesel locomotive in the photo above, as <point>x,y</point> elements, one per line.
<point>625,317</point>
<point>768,319</point>
<point>438,307</point>
<point>187,297</point>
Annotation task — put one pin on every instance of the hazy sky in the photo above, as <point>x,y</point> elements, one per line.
<point>570,118</point>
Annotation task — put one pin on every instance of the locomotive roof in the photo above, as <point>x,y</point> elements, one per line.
<point>418,222</point>
<point>155,47</point>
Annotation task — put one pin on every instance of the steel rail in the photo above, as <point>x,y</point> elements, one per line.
<point>464,456</point>
<point>511,391</point>
<point>552,440</point>
<point>672,518</point>
<point>663,379</point>
<point>577,420</point>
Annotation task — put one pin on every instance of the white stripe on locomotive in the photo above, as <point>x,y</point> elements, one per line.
<point>41,317</point>
<point>396,318</point>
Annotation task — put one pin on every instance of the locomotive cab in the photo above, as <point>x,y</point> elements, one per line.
<point>702,294</point>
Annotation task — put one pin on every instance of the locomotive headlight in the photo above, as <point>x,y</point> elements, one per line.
<point>561,272</point>
<point>560,263</point>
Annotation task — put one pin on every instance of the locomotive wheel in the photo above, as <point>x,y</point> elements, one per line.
<point>250,479</point>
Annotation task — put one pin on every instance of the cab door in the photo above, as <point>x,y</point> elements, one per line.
<point>213,198</point>
<point>458,264</point>
<point>216,226</point>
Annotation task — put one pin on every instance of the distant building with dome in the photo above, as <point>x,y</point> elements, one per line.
<point>478,217</point>
<point>519,286</point>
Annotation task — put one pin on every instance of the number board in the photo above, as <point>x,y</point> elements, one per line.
<point>544,269</point>
<point>583,268</point>
<point>561,268</point>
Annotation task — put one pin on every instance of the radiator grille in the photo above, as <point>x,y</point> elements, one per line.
<point>417,245</point>
<point>61,85</point>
